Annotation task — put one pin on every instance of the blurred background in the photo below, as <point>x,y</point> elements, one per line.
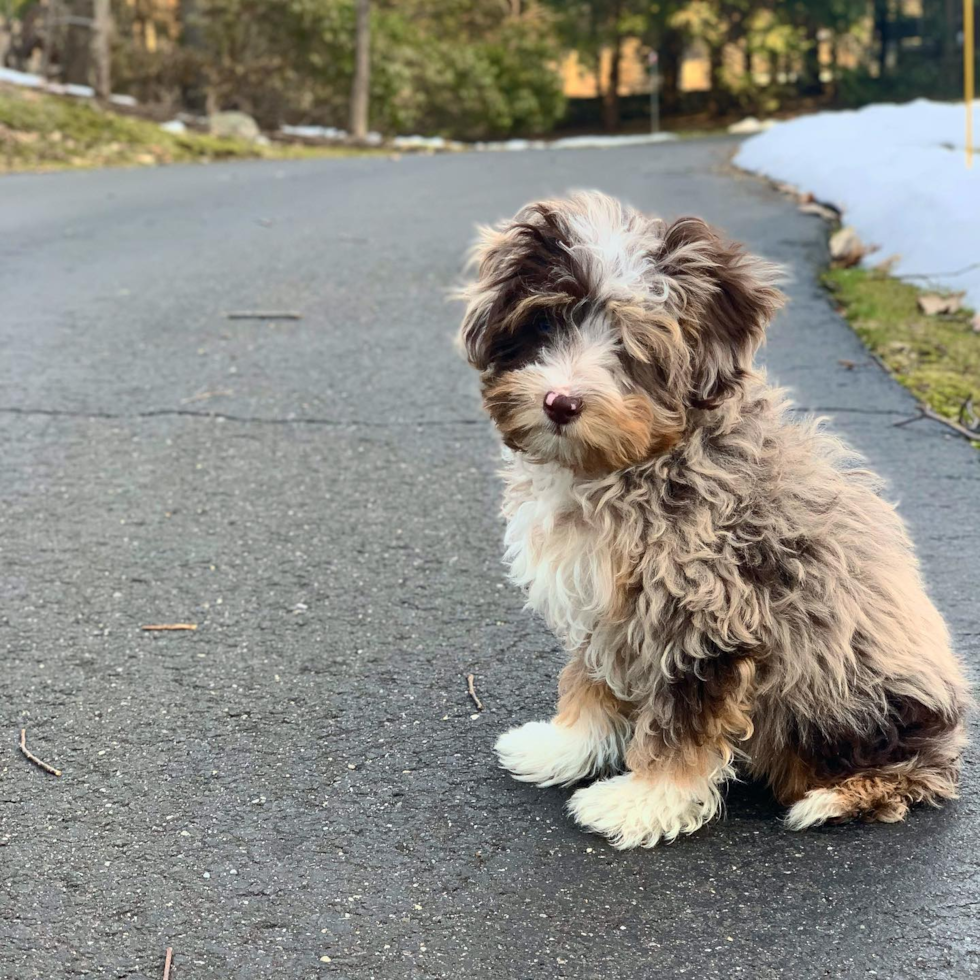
<point>486,69</point>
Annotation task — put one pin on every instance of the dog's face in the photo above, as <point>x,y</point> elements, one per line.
<point>600,333</point>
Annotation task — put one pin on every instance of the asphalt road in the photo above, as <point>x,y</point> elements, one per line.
<point>303,776</point>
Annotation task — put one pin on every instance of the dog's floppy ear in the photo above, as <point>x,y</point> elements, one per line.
<point>524,265</point>
<point>725,299</point>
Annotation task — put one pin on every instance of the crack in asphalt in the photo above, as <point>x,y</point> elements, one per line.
<point>228,417</point>
<point>312,420</point>
<point>849,411</point>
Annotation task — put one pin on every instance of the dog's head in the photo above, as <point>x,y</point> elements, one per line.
<point>598,330</point>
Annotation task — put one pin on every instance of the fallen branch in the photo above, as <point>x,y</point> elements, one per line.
<point>940,275</point>
<point>33,758</point>
<point>264,315</point>
<point>167,962</point>
<point>471,688</point>
<point>969,418</point>
<point>928,413</point>
<point>170,626</point>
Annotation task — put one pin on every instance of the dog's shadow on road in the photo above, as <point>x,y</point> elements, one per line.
<point>749,799</point>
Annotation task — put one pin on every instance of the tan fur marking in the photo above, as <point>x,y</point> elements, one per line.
<point>579,694</point>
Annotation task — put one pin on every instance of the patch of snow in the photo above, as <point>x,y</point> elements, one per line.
<point>22,78</point>
<point>314,132</point>
<point>750,125</point>
<point>427,142</point>
<point>27,80</point>
<point>175,126</point>
<point>597,142</point>
<point>79,91</point>
<point>513,145</point>
<point>416,141</point>
<point>898,174</point>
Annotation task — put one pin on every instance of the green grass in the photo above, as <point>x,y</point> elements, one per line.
<point>49,132</point>
<point>936,357</point>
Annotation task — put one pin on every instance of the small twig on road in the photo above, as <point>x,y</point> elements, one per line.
<point>471,687</point>
<point>264,315</point>
<point>33,758</point>
<point>170,626</point>
<point>167,962</point>
<point>928,413</point>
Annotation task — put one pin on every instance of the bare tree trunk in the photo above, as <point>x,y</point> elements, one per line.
<point>810,83</point>
<point>671,57</point>
<point>50,26</point>
<point>193,86</point>
<point>718,100</point>
<point>101,50</point>
<point>75,43</point>
<point>950,50</point>
<point>361,88</point>
<point>610,102</point>
<point>883,29</point>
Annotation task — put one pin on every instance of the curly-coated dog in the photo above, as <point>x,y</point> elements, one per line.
<point>728,584</point>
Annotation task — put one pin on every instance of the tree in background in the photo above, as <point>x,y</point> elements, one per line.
<point>596,30</point>
<point>469,69</point>
<point>492,68</point>
<point>361,83</point>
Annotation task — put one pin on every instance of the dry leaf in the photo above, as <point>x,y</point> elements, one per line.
<point>932,304</point>
<point>820,210</point>
<point>846,364</point>
<point>885,266</point>
<point>847,249</point>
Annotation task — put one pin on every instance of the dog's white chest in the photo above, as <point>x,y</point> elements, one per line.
<point>554,553</point>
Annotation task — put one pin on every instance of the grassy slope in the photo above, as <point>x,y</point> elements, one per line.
<point>936,358</point>
<point>46,132</point>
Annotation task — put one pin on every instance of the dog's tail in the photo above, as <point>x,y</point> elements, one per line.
<point>879,794</point>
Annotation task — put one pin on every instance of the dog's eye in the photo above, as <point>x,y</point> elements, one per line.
<point>520,348</point>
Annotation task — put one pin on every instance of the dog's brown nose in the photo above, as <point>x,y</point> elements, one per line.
<point>561,408</point>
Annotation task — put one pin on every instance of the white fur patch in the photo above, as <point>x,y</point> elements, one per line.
<point>549,754</point>
<point>617,249</point>
<point>817,807</point>
<point>634,811</point>
<point>554,556</point>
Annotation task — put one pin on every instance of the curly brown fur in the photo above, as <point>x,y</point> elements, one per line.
<point>728,583</point>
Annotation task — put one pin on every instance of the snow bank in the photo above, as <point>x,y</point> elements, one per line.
<point>26,80</point>
<point>12,77</point>
<point>607,142</point>
<point>897,173</point>
<point>314,132</point>
<point>416,142</point>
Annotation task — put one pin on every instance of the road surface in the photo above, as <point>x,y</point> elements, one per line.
<point>299,788</point>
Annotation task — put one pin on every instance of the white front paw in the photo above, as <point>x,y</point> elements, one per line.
<point>549,754</point>
<point>635,811</point>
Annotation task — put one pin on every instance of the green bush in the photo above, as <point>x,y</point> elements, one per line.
<point>459,69</point>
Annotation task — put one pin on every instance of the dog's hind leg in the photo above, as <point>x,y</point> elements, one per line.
<point>587,736</point>
<point>912,756</point>
<point>882,795</point>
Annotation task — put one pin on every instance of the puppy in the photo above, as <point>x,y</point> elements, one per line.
<point>728,586</point>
